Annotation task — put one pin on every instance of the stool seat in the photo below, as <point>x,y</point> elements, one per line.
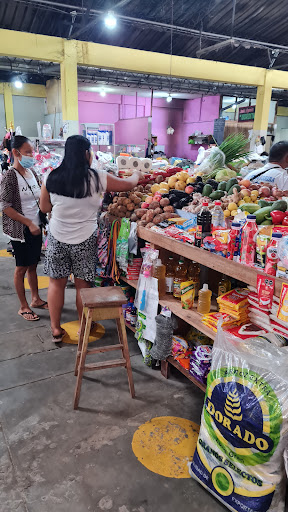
<point>109,296</point>
<point>102,304</point>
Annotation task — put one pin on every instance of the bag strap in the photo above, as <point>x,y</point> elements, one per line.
<point>262,172</point>
<point>29,186</point>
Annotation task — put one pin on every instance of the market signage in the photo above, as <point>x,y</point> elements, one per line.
<point>246,114</point>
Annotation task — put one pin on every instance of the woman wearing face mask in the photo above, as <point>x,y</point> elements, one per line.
<point>73,193</point>
<point>20,193</point>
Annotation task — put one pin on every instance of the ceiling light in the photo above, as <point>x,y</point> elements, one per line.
<point>169,98</point>
<point>18,84</point>
<point>102,93</point>
<point>110,20</point>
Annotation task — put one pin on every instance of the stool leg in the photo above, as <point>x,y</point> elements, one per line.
<point>80,342</point>
<point>121,328</point>
<point>82,358</point>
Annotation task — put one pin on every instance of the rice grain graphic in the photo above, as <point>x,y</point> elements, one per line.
<point>232,406</point>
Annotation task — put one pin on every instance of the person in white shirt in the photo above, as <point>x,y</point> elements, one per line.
<point>73,193</point>
<point>275,171</point>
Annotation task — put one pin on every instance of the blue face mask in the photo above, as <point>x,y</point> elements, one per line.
<point>27,161</point>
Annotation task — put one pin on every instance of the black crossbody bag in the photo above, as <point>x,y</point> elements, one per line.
<point>42,216</point>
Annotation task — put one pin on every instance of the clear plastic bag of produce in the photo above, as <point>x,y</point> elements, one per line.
<point>239,456</point>
<point>215,160</point>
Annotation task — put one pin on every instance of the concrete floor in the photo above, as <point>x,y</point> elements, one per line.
<point>53,459</point>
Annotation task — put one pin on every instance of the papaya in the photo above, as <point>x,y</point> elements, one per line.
<point>207,190</point>
<point>222,185</point>
<point>230,183</point>
<point>217,194</point>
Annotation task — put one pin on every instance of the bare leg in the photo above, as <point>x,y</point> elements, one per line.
<point>80,283</point>
<point>19,275</point>
<point>56,293</point>
<point>33,283</point>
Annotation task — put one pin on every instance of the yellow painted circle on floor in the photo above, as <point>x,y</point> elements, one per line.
<point>72,329</point>
<point>43,282</point>
<point>5,254</point>
<point>166,445</point>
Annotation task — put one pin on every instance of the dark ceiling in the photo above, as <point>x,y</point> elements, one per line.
<point>239,31</point>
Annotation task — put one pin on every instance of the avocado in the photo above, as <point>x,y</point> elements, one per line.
<point>217,194</point>
<point>222,185</point>
<point>231,183</point>
<point>207,190</point>
<point>238,188</point>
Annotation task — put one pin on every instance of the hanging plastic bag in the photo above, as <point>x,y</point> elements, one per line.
<point>215,160</point>
<point>122,251</point>
<point>239,456</point>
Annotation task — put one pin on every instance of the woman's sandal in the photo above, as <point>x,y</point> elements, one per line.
<point>41,306</point>
<point>34,318</point>
<point>59,337</point>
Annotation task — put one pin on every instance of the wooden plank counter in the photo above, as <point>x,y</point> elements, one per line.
<point>230,268</point>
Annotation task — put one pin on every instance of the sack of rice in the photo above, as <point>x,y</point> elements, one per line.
<point>239,456</point>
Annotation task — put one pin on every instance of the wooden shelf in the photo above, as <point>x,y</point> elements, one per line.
<point>187,374</point>
<point>129,326</point>
<point>188,315</point>
<point>230,268</point>
<point>132,282</point>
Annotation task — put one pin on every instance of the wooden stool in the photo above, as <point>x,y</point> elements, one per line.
<point>101,304</point>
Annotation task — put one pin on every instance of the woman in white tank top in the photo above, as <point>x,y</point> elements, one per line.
<point>73,193</point>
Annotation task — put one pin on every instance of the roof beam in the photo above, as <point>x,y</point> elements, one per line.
<point>48,48</point>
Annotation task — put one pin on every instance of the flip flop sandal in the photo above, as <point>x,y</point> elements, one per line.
<point>59,337</point>
<point>34,319</point>
<point>42,306</point>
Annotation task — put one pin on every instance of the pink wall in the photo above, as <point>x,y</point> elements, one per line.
<point>185,116</point>
<point>132,131</point>
<point>198,114</point>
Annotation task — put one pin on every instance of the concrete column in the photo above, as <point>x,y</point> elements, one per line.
<point>8,105</point>
<point>69,89</point>
<point>263,99</point>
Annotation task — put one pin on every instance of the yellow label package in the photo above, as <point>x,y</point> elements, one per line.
<point>282,312</point>
<point>244,425</point>
<point>187,294</point>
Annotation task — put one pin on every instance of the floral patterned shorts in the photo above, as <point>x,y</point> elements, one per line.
<point>61,259</point>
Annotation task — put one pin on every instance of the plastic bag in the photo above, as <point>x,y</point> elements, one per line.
<point>122,250</point>
<point>239,456</point>
<point>215,160</point>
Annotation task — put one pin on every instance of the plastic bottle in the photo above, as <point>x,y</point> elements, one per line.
<point>170,273</point>
<point>248,241</point>
<point>193,274</point>
<point>272,254</point>
<point>218,219</point>
<point>204,300</point>
<point>233,252</point>
<point>130,305</point>
<point>203,229</point>
<point>133,315</point>
<point>159,271</point>
<point>180,277</point>
<point>224,285</point>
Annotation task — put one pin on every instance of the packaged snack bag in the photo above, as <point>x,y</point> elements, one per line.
<point>244,425</point>
<point>265,288</point>
<point>282,313</point>
<point>187,294</point>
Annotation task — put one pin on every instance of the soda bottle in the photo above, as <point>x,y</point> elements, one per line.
<point>272,254</point>
<point>248,241</point>
<point>180,277</point>
<point>218,219</point>
<point>193,274</point>
<point>204,300</point>
<point>233,252</point>
<point>203,229</point>
<point>170,272</point>
<point>159,271</point>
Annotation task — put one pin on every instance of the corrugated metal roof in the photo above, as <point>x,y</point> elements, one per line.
<point>260,20</point>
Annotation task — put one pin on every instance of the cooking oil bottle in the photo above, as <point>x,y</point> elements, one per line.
<point>159,271</point>
<point>204,300</point>
<point>224,285</point>
<point>170,274</point>
<point>193,274</point>
<point>180,277</point>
